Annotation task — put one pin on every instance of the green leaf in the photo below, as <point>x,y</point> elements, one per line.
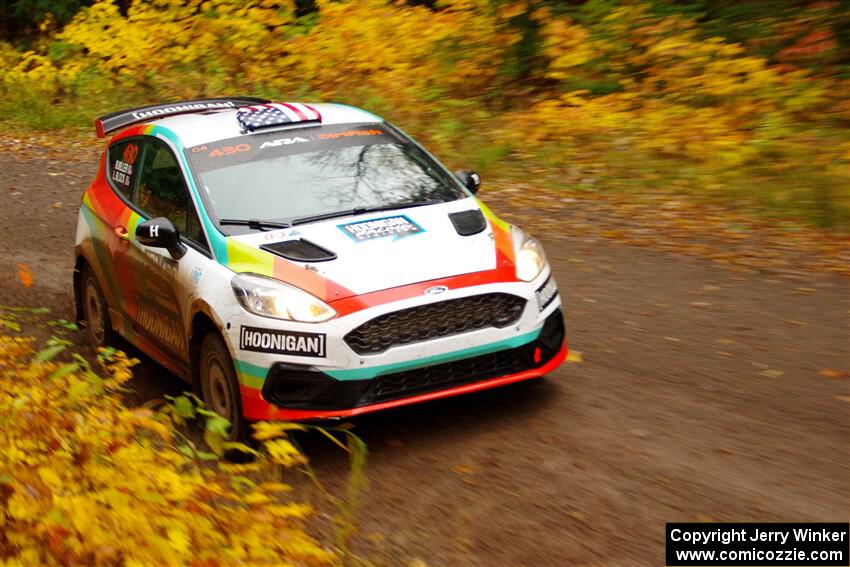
<point>242,483</point>
<point>77,390</point>
<point>56,516</point>
<point>327,434</point>
<point>63,370</point>
<point>93,378</point>
<point>183,407</point>
<point>218,425</point>
<point>214,441</point>
<point>10,325</point>
<point>48,353</point>
<point>154,498</point>
<point>81,359</point>
<point>233,445</point>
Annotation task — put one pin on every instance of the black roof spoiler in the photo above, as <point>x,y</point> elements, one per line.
<point>117,120</point>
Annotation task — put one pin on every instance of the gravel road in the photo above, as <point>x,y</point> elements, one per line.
<point>699,396</point>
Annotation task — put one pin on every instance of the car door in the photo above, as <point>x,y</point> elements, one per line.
<point>112,240</point>
<point>163,286</point>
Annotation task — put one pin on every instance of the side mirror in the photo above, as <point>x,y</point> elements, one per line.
<point>470,179</point>
<point>160,233</point>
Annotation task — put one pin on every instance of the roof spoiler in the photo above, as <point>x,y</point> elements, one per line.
<point>117,120</point>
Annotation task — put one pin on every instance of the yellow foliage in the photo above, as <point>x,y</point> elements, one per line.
<point>627,83</point>
<point>86,480</point>
<point>566,45</point>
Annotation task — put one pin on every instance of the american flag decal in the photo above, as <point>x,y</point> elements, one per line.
<point>276,114</point>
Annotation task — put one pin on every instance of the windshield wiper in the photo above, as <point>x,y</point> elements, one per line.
<point>364,210</point>
<point>394,206</point>
<point>255,224</point>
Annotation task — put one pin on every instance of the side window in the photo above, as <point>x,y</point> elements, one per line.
<point>162,193</point>
<point>194,230</point>
<point>121,166</point>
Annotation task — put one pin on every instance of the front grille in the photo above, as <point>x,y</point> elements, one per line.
<point>435,320</point>
<point>441,376</point>
<point>298,387</point>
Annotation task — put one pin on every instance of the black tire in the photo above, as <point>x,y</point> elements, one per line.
<point>95,311</point>
<point>220,387</point>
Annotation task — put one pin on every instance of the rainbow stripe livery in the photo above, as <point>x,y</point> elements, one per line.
<point>305,261</point>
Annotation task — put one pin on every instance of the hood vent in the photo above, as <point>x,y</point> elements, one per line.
<point>300,251</point>
<point>467,223</point>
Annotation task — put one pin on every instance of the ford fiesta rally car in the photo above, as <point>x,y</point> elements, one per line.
<point>298,262</point>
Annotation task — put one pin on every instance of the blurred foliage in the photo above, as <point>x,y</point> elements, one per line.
<point>22,20</point>
<point>85,480</point>
<point>745,103</point>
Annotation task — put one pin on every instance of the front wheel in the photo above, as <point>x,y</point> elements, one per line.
<point>220,387</point>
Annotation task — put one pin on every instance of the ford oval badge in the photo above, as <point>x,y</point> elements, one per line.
<point>436,290</point>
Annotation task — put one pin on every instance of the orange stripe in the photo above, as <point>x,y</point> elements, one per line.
<point>356,303</point>
<point>308,280</point>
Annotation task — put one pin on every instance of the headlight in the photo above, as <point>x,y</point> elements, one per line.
<point>272,298</point>
<point>530,258</point>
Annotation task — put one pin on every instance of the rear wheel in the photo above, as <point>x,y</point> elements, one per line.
<point>95,311</point>
<point>220,387</point>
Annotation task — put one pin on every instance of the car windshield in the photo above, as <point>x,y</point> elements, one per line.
<point>296,175</point>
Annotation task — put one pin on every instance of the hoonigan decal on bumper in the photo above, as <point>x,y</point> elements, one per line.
<point>275,341</point>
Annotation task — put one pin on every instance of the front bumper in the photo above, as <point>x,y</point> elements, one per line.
<point>295,393</point>
<point>342,380</point>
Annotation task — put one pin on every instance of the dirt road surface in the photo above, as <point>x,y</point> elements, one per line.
<point>698,398</point>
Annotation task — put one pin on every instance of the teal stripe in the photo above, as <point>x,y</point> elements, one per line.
<point>251,369</point>
<point>260,372</point>
<point>374,371</point>
<point>218,242</point>
<point>376,118</point>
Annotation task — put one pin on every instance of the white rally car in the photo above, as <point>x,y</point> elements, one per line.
<point>297,261</point>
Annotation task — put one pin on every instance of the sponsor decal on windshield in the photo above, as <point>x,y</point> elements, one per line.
<point>268,145</point>
<point>283,142</point>
<point>349,134</point>
<point>282,342</point>
<point>398,226</point>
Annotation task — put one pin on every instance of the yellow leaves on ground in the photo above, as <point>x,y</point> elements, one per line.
<point>265,430</point>
<point>284,453</point>
<point>85,480</point>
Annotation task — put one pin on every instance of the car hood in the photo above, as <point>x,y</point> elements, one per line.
<point>370,252</point>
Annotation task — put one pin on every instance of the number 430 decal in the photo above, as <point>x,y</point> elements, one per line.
<point>229,150</point>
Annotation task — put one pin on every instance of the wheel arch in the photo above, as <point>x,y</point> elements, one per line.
<point>79,263</point>
<point>203,321</point>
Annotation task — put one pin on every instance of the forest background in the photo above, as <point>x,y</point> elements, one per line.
<point>745,105</point>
